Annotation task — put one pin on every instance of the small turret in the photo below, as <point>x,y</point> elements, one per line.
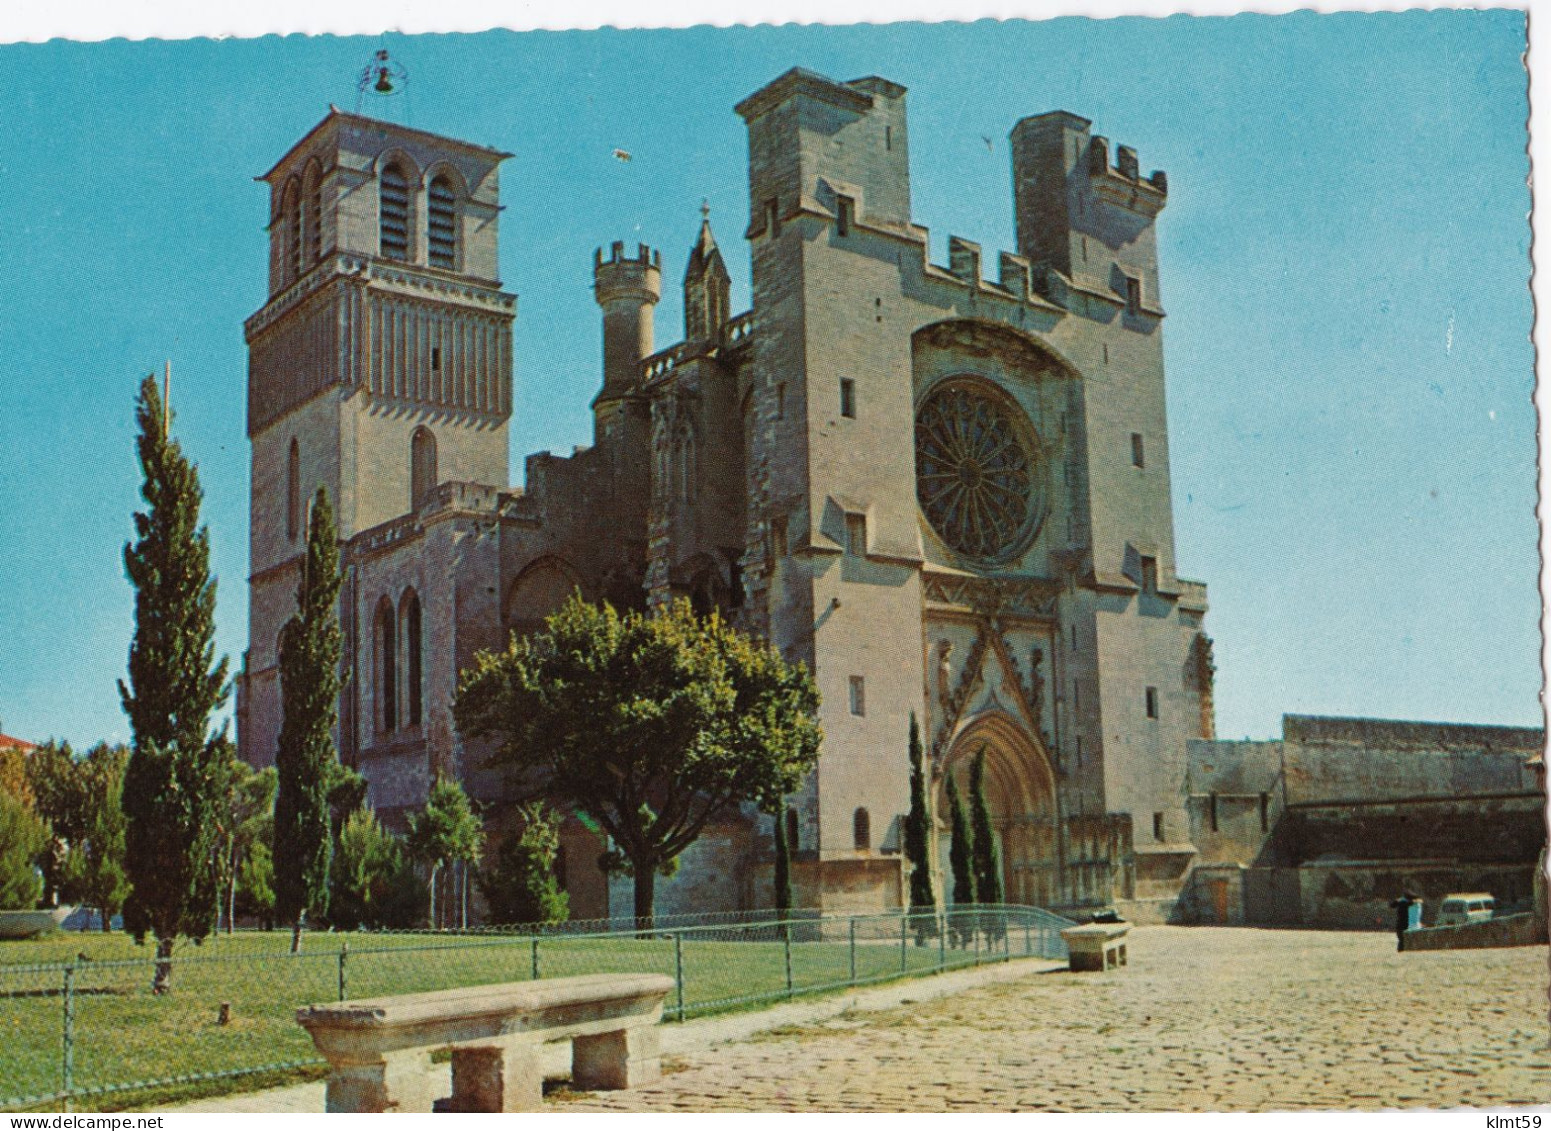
<point>1082,217</point>
<point>706,286</point>
<point>627,289</point>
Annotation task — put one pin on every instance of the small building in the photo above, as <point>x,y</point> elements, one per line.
<point>1326,825</point>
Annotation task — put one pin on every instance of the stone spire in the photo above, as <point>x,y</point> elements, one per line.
<point>706,285</point>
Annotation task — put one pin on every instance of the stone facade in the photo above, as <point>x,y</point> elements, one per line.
<point>948,495</point>
<point>1327,825</point>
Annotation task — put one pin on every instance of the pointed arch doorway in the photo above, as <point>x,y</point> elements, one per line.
<point>1021,794</point>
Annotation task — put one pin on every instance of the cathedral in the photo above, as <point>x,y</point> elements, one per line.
<point>947,494</point>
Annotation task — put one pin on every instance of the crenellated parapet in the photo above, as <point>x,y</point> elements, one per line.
<point>623,277</point>
<point>1122,184</point>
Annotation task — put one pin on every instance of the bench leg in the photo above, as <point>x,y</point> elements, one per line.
<point>400,1081</point>
<point>1084,960</point>
<point>626,1058</point>
<point>495,1078</point>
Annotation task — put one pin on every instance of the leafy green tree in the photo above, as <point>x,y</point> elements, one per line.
<point>81,799</point>
<point>923,901</point>
<point>652,725</point>
<point>13,772</point>
<point>445,832</point>
<point>96,862</point>
<point>961,857</point>
<point>247,819</point>
<point>306,757</point>
<point>175,683</point>
<point>23,836</point>
<point>256,881</point>
<point>404,896</point>
<point>987,850</point>
<point>55,789</point>
<point>346,794</point>
<point>371,876</point>
<point>521,885</point>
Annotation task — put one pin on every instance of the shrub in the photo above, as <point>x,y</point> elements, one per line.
<point>521,885</point>
<point>23,835</point>
<point>372,880</point>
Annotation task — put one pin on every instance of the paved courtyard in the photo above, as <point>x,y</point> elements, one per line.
<point>1202,1019</point>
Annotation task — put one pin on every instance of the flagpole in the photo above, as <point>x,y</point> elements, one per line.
<point>167,399</point>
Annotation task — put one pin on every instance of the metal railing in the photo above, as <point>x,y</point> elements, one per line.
<point>90,1028</point>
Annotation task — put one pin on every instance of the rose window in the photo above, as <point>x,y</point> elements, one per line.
<point>978,476</point>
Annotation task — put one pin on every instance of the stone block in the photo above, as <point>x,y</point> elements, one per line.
<point>500,1077</point>
<point>625,1058</point>
<point>394,1081</point>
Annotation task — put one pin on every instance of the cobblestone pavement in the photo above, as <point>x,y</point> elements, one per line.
<point>1202,1019</point>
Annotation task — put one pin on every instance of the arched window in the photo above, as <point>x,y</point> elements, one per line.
<point>792,841</point>
<point>393,213</point>
<point>387,669</point>
<point>442,224</point>
<point>422,467</point>
<point>291,223</point>
<point>861,830</point>
<point>540,589</point>
<point>293,491</point>
<point>410,619</point>
<point>312,214</point>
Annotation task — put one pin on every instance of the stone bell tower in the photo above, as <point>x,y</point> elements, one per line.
<point>379,366</point>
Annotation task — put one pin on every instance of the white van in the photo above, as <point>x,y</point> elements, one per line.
<point>1465,907</point>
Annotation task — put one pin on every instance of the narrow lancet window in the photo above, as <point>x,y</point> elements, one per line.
<point>422,467</point>
<point>412,672</point>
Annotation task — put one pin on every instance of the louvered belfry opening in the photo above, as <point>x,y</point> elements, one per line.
<point>394,214</point>
<point>441,225</point>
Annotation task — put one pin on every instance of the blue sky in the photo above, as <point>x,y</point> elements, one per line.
<point>1344,262</point>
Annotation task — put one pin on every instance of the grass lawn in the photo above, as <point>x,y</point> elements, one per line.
<point>122,1033</point>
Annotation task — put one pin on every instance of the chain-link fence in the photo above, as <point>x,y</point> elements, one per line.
<point>86,1029</point>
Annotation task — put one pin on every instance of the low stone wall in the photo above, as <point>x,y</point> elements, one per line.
<point>1354,895</point>
<point>1505,930</point>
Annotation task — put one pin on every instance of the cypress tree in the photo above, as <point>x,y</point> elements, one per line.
<point>171,784</point>
<point>961,855</point>
<point>783,864</point>
<point>917,840</point>
<point>988,851</point>
<point>306,757</point>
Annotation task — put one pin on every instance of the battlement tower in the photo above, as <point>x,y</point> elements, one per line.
<point>1081,217</point>
<point>628,289</point>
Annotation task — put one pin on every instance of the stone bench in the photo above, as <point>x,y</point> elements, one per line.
<point>1096,946</point>
<point>379,1049</point>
